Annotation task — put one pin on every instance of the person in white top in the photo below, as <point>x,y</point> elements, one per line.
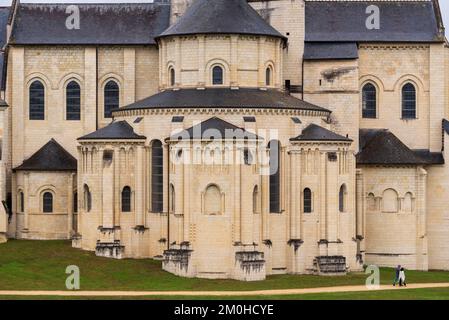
<point>402,278</point>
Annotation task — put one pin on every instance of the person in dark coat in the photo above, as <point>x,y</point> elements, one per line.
<point>396,279</point>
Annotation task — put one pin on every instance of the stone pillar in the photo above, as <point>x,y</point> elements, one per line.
<point>234,61</point>
<point>422,262</point>
<point>139,187</point>
<point>186,194</point>
<point>129,76</point>
<point>107,192</point>
<point>237,199</point>
<point>26,191</point>
<point>332,209</point>
<point>90,91</point>
<point>436,98</point>
<point>70,204</point>
<point>261,63</point>
<point>18,104</point>
<point>202,61</point>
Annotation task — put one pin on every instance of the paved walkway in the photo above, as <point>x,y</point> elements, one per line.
<point>216,293</point>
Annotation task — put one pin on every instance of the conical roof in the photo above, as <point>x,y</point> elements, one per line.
<point>221,17</point>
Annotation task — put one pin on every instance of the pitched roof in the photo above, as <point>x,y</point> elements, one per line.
<point>381,147</point>
<point>51,157</point>
<point>215,129</point>
<point>314,132</point>
<point>119,130</point>
<point>221,17</point>
<point>446,126</point>
<point>330,50</point>
<point>100,24</point>
<point>223,98</point>
<point>401,21</point>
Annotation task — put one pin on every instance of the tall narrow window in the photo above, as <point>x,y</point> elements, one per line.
<point>369,101</point>
<point>47,202</point>
<point>37,101</point>
<point>268,77</point>
<point>342,198</point>
<point>275,176</point>
<point>307,200</point>
<point>172,77</point>
<point>87,199</point>
<point>217,75</point>
<point>212,200</point>
<point>157,177</point>
<point>75,202</point>
<point>408,101</point>
<point>73,101</point>
<point>126,199</point>
<point>111,98</point>
<point>256,200</point>
<point>172,199</point>
<point>21,202</point>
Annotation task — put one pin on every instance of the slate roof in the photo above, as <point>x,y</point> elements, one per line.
<point>401,21</point>
<point>223,98</point>
<point>214,129</point>
<point>314,132</point>
<point>221,17</point>
<point>381,147</point>
<point>118,130</point>
<point>330,50</point>
<point>51,157</point>
<point>100,24</point>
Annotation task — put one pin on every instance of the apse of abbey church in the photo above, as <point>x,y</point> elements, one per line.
<point>229,139</point>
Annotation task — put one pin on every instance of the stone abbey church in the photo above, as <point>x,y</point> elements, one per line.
<point>229,138</point>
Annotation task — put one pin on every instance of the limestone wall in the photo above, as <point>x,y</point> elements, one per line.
<point>244,60</point>
<point>389,67</point>
<point>395,201</point>
<point>33,222</point>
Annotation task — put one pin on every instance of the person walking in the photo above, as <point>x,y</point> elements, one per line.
<point>402,278</point>
<point>396,278</point>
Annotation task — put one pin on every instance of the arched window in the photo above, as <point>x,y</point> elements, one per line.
<point>408,202</point>
<point>73,101</point>
<point>307,200</point>
<point>47,202</point>
<point>157,177</point>
<point>390,201</point>
<point>75,202</point>
<point>21,205</point>
<point>172,77</point>
<point>371,202</point>
<point>217,75</point>
<point>87,198</point>
<point>369,101</point>
<point>172,198</point>
<point>126,199</point>
<point>408,101</point>
<point>212,200</point>
<point>111,98</point>
<point>247,157</point>
<point>268,76</point>
<point>342,199</point>
<point>37,101</point>
<point>275,176</point>
<point>256,199</point>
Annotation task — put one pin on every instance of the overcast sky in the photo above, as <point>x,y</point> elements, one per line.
<point>444,5</point>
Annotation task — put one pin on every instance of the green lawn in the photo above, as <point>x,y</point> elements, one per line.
<point>40,265</point>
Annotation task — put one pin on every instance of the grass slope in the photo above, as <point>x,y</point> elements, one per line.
<point>41,265</point>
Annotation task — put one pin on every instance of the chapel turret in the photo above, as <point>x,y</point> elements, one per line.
<point>220,43</point>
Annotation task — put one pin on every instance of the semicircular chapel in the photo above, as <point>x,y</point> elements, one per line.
<point>230,139</point>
